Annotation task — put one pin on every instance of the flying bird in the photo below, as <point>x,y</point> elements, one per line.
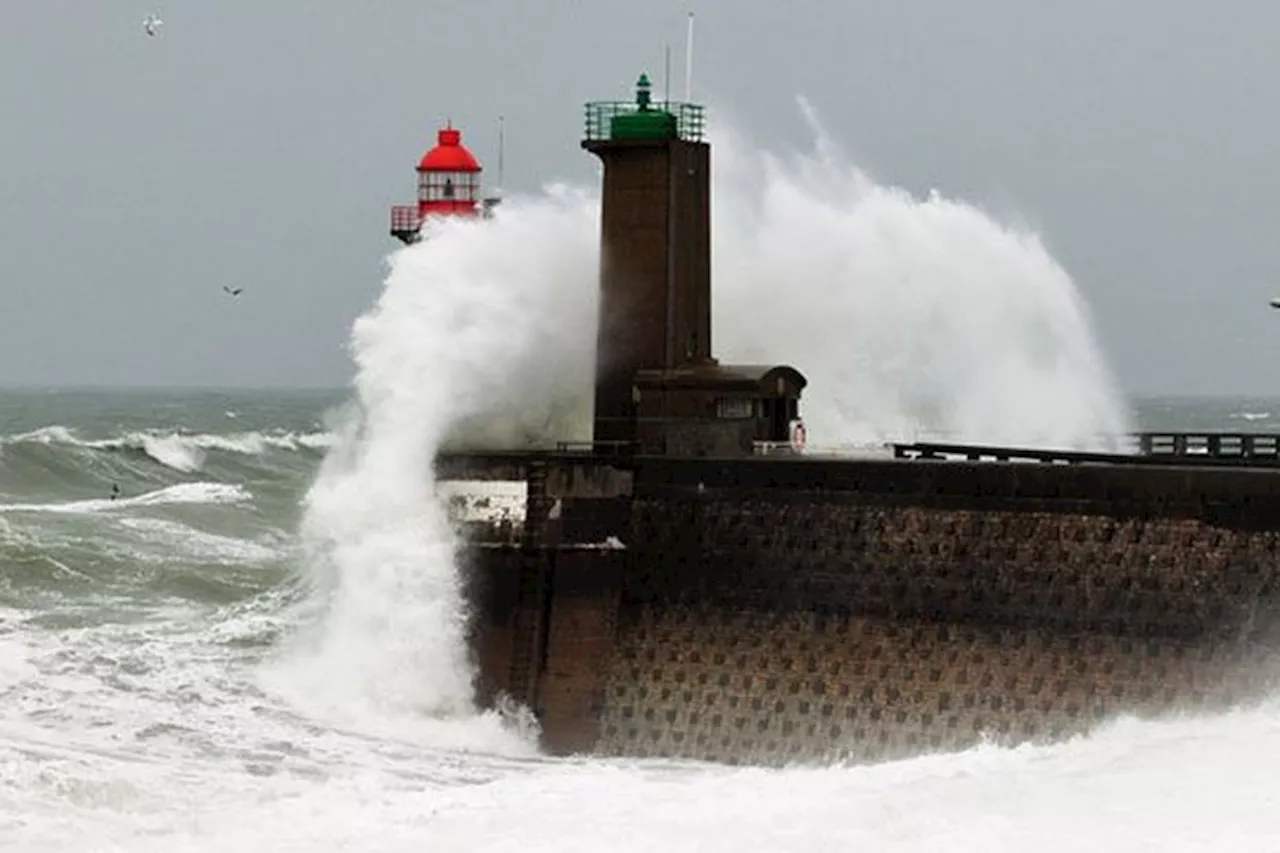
<point>1275,303</point>
<point>151,25</point>
<point>231,291</point>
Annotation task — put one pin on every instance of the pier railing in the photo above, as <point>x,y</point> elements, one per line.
<point>1146,448</point>
<point>1160,448</point>
<point>1188,448</point>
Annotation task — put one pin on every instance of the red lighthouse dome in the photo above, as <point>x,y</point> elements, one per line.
<point>448,178</point>
<point>448,185</point>
<point>449,155</point>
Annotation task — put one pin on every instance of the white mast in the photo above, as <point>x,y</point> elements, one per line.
<point>501,154</point>
<point>688,62</point>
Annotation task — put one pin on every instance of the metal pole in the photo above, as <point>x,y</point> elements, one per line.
<point>688,62</point>
<point>501,151</point>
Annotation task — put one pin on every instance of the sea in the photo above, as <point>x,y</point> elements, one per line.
<point>231,620</point>
<point>144,704</point>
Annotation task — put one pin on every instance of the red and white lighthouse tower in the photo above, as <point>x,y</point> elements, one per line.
<point>448,185</point>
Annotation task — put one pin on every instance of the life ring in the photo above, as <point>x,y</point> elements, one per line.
<point>798,435</point>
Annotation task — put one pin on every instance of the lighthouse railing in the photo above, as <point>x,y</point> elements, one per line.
<point>404,217</point>
<point>691,119</point>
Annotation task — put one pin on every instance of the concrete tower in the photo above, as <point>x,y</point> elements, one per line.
<point>655,277</point>
<point>658,388</point>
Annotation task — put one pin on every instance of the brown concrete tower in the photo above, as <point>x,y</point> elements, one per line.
<point>658,388</point>
<point>655,277</point>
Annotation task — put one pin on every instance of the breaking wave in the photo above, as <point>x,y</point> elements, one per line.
<point>182,493</point>
<point>908,315</point>
<point>468,335</point>
<point>174,449</point>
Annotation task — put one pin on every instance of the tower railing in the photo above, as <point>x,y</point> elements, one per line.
<point>691,119</point>
<point>404,217</point>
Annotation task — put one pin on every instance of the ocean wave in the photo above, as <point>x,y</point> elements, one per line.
<point>173,537</point>
<point>182,493</point>
<point>184,452</point>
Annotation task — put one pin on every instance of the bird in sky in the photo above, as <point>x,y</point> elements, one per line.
<point>151,25</point>
<point>232,291</point>
<point>1275,303</point>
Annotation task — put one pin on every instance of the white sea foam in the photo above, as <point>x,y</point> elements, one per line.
<point>448,348</point>
<point>911,317</point>
<point>173,452</point>
<point>182,493</point>
<point>176,539</point>
<point>1179,786</point>
<point>185,452</point>
<point>15,664</point>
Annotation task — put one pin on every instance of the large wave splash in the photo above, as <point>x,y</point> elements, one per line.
<point>911,318</point>
<point>907,315</point>
<point>469,330</point>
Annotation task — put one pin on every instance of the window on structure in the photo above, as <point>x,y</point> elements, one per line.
<point>448,186</point>
<point>734,408</point>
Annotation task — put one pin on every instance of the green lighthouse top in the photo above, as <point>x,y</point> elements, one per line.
<point>645,118</point>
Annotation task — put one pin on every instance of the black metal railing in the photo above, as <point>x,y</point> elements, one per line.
<point>1147,448</point>
<point>1186,448</point>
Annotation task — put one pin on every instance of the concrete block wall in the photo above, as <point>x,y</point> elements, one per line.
<point>1144,576</point>
<point>752,687</point>
<point>806,629</point>
<point>747,615</point>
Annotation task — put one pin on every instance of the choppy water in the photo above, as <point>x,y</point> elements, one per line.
<point>140,707</point>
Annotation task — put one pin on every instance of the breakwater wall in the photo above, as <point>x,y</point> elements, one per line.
<point>775,610</point>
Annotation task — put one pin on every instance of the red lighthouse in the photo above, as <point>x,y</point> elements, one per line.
<point>448,185</point>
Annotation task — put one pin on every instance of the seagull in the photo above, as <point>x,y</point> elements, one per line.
<point>231,292</point>
<point>151,25</point>
<point>1275,303</point>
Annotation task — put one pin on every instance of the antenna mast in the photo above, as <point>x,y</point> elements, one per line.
<point>666,75</point>
<point>501,152</point>
<point>688,61</point>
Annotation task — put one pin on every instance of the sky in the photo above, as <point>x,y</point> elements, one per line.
<point>259,144</point>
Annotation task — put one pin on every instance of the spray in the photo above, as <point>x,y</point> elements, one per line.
<point>467,331</point>
<point>908,316</point>
<point>911,318</point>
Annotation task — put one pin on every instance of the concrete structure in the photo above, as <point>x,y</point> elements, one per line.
<point>668,593</point>
<point>775,610</point>
<point>658,388</point>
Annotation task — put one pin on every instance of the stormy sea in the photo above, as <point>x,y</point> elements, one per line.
<point>231,621</point>
<point>154,696</point>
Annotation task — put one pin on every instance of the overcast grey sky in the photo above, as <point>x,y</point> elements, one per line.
<point>258,144</point>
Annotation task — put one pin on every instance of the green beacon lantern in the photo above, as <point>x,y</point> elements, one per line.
<point>646,122</point>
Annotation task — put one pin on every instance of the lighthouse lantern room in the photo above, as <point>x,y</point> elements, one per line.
<point>448,185</point>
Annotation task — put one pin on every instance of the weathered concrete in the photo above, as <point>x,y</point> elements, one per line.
<point>655,270</point>
<point>772,610</point>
